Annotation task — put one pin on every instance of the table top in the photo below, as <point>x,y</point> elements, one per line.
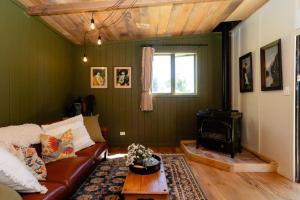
<point>155,183</point>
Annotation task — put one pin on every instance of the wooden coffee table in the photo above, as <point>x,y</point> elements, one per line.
<point>152,186</point>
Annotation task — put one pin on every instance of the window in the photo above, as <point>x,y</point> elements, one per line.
<point>174,73</point>
<point>161,82</point>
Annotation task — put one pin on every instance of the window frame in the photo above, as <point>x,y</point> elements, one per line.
<point>173,75</point>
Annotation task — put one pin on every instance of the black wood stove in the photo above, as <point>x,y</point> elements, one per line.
<point>220,130</point>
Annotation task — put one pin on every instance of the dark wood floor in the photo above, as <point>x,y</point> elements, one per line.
<point>222,185</point>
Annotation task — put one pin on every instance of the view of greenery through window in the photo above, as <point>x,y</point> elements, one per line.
<point>182,65</point>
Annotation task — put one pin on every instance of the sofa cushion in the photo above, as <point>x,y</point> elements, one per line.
<point>82,138</point>
<point>54,149</point>
<point>21,135</point>
<point>8,193</point>
<point>16,175</point>
<point>94,151</point>
<point>92,125</point>
<point>34,163</point>
<point>56,191</point>
<point>70,171</point>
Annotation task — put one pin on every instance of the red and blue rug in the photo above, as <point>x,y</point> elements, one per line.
<point>108,178</point>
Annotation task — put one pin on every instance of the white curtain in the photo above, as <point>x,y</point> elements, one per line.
<point>146,79</point>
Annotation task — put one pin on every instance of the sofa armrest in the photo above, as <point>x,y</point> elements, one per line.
<point>104,132</point>
<point>8,193</point>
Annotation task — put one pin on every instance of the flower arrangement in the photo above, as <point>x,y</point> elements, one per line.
<point>138,154</point>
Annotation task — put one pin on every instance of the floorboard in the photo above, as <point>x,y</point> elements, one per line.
<point>223,185</point>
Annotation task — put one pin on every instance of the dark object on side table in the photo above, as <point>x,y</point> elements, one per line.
<point>88,105</point>
<point>82,105</point>
<point>138,169</point>
<point>220,130</point>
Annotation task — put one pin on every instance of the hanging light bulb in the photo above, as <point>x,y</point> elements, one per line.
<point>84,59</point>
<point>99,42</point>
<point>93,22</point>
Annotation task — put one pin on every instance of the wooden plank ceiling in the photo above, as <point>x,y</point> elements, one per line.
<point>135,19</point>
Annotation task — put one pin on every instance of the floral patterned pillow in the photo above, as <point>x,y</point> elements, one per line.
<point>54,149</point>
<point>33,162</point>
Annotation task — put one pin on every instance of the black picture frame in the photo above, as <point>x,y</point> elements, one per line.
<point>246,73</point>
<point>271,66</point>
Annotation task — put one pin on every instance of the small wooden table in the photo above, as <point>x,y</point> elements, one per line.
<point>152,186</point>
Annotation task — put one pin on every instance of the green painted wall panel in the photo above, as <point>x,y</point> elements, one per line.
<point>35,66</point>
<point>173,118</point>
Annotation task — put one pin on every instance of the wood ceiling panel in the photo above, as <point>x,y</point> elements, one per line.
<point>113,30</point>
<point>102,5</point>
<point>53,23</point>
<point>136,15</point>
<point>182,19</point>
<point>153,18</point>
<point>149,18</point>
<point>175,14</point>
<point>246,8</point>
<point>212,20</point>
<point>164,17</point>
<point>198,15</point>
<point>144,23</point>
<point>122,28</point>
<point>27,3</point>
<point>217,14</point>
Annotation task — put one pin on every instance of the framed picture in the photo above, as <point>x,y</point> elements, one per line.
<point>122,77</point>
<point>98,77</point>
<point>271,66</point>
<point>246,74</point>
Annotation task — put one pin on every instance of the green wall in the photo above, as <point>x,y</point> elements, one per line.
<point>173,118</point>
<point>35,68</point>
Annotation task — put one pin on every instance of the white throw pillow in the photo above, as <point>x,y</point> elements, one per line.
<point>81,138</point>
<point>21,135</point>
<point>14,174</point>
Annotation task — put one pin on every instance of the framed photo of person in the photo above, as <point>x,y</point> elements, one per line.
<point>122,77</point>
<point>98,77</point>
<point>246,74</point>
<point>271,66</point>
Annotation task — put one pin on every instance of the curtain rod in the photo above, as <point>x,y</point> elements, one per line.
<point>172,45</point>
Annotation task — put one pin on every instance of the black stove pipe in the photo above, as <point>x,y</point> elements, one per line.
<point>225,28</point>
<point>226,53</point>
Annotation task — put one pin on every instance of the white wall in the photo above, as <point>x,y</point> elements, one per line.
<point>268,117</point>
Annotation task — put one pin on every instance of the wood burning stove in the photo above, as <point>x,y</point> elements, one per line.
<point>220,130</point>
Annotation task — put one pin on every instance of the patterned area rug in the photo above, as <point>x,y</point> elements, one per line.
<point>108,178</point>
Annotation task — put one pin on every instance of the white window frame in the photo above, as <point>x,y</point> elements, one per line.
<point>173,83</point>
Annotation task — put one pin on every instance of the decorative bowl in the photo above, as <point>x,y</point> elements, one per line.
<point>140,169</point>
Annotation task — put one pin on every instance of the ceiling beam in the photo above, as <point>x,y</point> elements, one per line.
<point>100,5</point>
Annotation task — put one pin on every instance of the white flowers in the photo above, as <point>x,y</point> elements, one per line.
<point>137,153</point>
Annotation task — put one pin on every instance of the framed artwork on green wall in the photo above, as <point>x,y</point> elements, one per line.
<point>98,77</point>
<point>122,77</point>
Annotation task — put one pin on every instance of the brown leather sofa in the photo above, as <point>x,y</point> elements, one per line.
<point>65,176</point>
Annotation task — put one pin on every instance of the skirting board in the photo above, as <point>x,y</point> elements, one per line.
<point>266,166</point>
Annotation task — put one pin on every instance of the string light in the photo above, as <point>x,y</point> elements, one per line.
<point>93,22</point>
<point>104,25</point>
<point>99,42</point>
<point>84,59</point>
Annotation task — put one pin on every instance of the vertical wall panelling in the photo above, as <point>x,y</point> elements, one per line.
<point>35,66</point>
<point>268,117</point>
<point>173,118</point>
